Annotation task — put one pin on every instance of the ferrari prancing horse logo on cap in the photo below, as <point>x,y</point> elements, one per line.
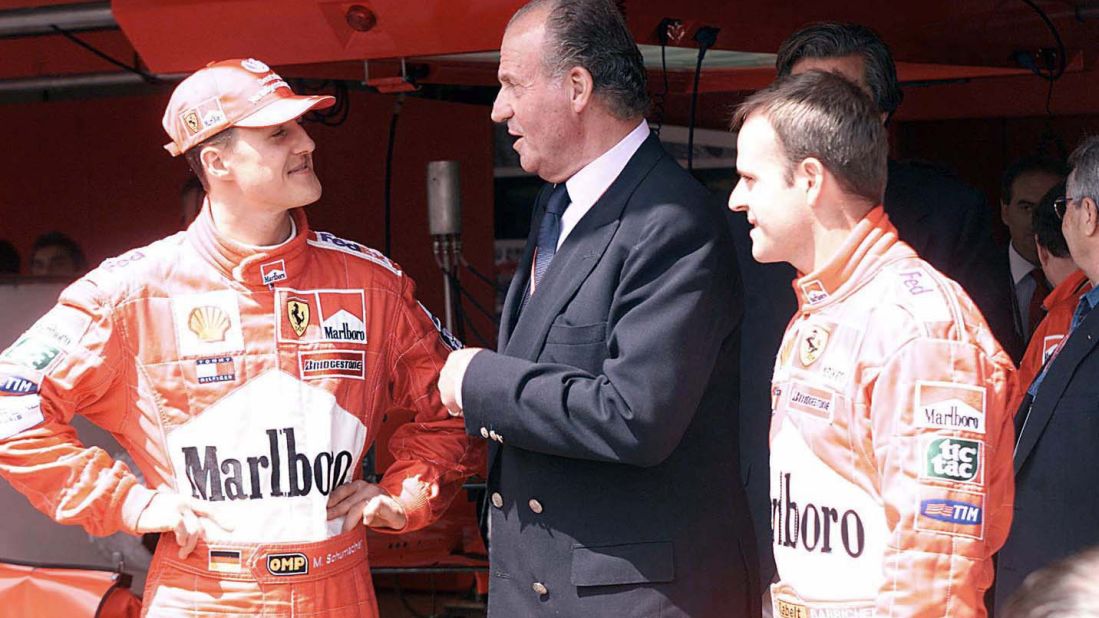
<point>812,344</point>
<point>191,120</point>
<point>298,312</point>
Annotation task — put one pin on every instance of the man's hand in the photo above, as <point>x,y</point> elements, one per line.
<point>186,517</point>
<point>366,502</point>
<point>450,378</point>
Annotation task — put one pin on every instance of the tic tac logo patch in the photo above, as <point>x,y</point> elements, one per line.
<point>16,385</point>
<point>225,560</point>
<point>34,352</point>
<point>287,564</point>
<point>340,316</point>
<point>949,405</point>
<point>217,369</point>
<point>954,459</point>
<point>207,324</point>
<point>951,512</point>
<point>273,272</point>
<point>814,401</point>
<point>813,340</point>
<point>332,364</point>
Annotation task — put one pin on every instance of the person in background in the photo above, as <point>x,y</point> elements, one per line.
<point>890,440</point>
<point>1068,588</point>
<point>56,255</point>
<point>945,220</point>
<point>1070,283</point>
<point>10,263</point>
<point>1057,424</point>
<point>1024,183</point>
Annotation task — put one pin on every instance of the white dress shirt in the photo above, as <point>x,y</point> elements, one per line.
<point>1023,286</point>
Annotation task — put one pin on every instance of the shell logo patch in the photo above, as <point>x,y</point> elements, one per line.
<point>208,323</point>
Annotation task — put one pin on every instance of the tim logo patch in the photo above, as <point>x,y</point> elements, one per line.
<point>332,364</point>
<point>340,316</point>
<point>287,564</point>
<point>952,406</point>
<point>951,512</point>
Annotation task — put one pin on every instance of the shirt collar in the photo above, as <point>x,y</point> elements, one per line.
<point>256,267</point>
<point>860,253</point>
<point>588,185</point>
<point>1020,266</point>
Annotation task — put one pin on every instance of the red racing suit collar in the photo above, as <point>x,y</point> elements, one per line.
<point>860,255</point>
<point>255,267</point>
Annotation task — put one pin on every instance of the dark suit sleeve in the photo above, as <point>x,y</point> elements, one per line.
<point>673,308</point>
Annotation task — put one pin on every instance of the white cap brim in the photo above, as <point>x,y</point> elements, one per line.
<point>285,109</point>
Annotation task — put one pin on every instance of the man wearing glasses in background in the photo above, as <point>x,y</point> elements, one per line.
<point>1057,424</point>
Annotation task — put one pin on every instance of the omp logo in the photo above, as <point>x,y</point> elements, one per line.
<point>287,564</point>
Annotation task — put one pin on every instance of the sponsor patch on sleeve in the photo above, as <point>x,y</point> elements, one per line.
<point>952,512</point>
<point>951,406</point>
<point>331,241</point>
<point>953,459</point>
<point>34,352</point>
<point>449,340</point>
<point>18,414</point>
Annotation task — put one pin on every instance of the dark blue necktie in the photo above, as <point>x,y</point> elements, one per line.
<point>550,231</point>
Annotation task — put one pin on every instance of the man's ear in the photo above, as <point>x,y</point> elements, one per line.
<point>580,87</point>
<point>1089,216</point>
<point>811,173</point>
<point>1043,253</point>
<point>1003,212</point>
<point>214,163</point>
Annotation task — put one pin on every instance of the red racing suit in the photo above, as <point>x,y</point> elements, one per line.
<point>251,378</point>
<point>891,473</point>
<point>1059,306</point>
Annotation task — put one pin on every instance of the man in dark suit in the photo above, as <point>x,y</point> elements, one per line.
<point>1057,424</point>
<point>611,404</point>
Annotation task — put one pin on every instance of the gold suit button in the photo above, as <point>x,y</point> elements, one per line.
<point>539,588</point>
<point>535,506</point>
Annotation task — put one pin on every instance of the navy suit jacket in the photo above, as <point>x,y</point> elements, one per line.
<point>1056,464</point>
<point>614,480</point>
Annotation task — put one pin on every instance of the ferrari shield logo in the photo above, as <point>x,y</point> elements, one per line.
<point>812,344</point>
<point>298,312</point>
<point>191,120</point>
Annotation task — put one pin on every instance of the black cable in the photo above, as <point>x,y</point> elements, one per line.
<point>459,311</point>
<point>706,37</point>
<point>389,174</point>
<point>145,75</point>
<point>1062,61</point>
<point>661,98</point>
<point>332,116</point>
<point>483,277</point>
<point>479,307</point>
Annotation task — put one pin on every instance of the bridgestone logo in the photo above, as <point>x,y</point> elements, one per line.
<point>321,365</point>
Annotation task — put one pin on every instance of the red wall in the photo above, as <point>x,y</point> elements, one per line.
<point>95,170</point>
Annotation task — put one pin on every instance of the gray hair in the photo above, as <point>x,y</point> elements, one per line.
<point>823,115</point>
<point>1084,162</point>
<point>592,34</point>
<point>1069,588</point>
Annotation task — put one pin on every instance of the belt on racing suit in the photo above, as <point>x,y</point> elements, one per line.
<point>269,563</point>
<point>786,604</point>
